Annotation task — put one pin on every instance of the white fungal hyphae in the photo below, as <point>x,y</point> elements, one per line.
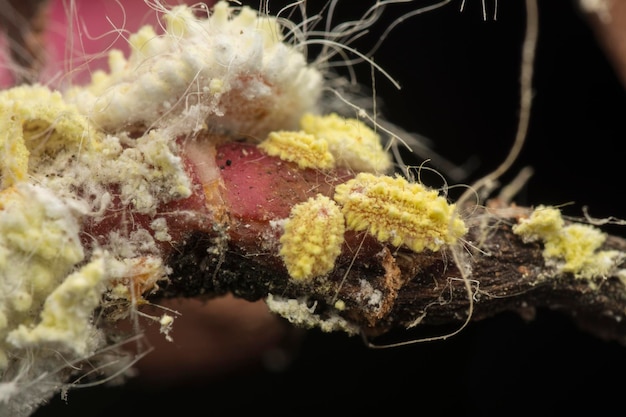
<point>297,311</point>
<point>230,73</point>
<point>46,302</point>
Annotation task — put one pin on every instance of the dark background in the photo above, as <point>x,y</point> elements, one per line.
<point>459,77</point>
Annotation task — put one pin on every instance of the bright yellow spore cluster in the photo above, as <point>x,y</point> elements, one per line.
<point>572,248</point>
<point>300,147</point>
<point>397,211</point>
<point>313,236</point>
<point>353,144</point>
<point>36,122</point>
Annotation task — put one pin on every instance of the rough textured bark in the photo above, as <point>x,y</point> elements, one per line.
<point>424,289</point>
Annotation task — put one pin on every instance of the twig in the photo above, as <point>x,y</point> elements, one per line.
<point>390,289</point>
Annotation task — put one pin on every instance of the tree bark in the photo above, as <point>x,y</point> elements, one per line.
<point>385,288</point>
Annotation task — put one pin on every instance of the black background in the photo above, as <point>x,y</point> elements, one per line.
<point>459,77</point>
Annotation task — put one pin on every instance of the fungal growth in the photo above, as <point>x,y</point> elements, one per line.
<point>573,248</point>
<point>353,143</point>
<point>39,248</point>
<point>399,212</point>
<point>313,237</point>
<point>304,149</point>
<point>227,74</point>
<point>211,127</point>
<point>205,163</point>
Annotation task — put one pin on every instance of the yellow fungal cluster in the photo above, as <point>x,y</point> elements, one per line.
<point>399,212</point>
<point>326,141</point>
<point>39,247</point>
<point>353,144</point>
<point>572,248</point>
<point>391,209</point>
<point>36,123</point>
<point>313,236</point>
<point>65,319</point>
<point>296,146</point>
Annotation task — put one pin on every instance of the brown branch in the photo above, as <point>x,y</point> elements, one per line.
<point>381,287</point>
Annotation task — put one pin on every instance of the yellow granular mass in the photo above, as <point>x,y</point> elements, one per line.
<point>353,144</point>
<point>66,312</point>
<point>39,245</point>
<point>572,248</point>
<point>544,223</point>
<point>48,123</point>
<point>577,244</point>
<point>397,211</point>
<point>299,147</point>
<point>314,233</point>
<point>34,122</point>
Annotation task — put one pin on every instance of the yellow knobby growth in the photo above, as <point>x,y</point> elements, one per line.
<point>397,211</point>
<point>36,121</point>
<point>49,124</point>
<point>39,245</point>
<point>573,247</point>
<point>350,141</point>
<point>314,234</point>
<point>65,317</point>
<point>299,147</point>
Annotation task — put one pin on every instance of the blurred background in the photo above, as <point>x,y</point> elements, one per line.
<point>459,88</point>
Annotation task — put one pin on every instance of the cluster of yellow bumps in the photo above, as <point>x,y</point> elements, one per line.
<point>392,209</point>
